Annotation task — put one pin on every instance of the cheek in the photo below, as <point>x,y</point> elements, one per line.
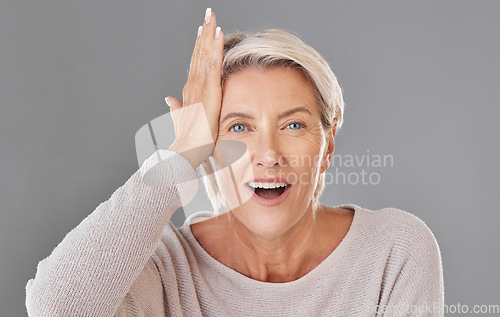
<point>304,153</point>
<point>230,181</point>
<point>310,140</point>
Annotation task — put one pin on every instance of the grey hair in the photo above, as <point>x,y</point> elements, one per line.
<point>276,48</point>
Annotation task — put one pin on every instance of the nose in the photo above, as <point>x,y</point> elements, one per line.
<point>267,152</point>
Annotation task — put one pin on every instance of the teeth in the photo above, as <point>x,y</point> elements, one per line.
<point>266,185</point>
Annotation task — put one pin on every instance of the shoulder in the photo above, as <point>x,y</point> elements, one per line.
<point>401,246</point>
<point>396,229</point>
<point>199,216</point>
<point>397,222</point>
<point>403,249</point>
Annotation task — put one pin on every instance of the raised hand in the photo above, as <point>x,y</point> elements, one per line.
<point>196,118</point>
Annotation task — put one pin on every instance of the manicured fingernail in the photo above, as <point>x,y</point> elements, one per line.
<point>217,32</point>
<point>166,101</point>
<point>199,30</point>
<point>208,15</point>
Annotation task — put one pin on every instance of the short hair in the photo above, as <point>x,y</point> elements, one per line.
<point>276,48</point>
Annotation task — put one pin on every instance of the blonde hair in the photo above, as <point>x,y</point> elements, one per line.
<point>276,48</point>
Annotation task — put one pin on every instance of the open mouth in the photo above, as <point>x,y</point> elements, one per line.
<point>268,190</point>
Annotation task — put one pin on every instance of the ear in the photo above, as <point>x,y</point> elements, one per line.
<point>330,147</point>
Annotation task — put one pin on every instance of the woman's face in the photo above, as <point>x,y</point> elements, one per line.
<point>274,112</point>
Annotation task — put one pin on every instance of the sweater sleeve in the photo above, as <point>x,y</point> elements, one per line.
<point>415,284</point>
<point>91,271</point>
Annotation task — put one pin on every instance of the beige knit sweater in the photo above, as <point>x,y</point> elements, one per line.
<point>127,259</point>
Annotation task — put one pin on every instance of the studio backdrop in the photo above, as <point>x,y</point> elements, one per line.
<point>79,79</point>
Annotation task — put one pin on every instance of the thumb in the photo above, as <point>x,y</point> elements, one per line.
<point>175,105</point>
<point>173,102</point>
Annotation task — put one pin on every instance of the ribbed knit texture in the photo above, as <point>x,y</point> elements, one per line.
<point>128,259</point>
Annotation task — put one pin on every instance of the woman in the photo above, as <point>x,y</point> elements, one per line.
<point>270,249</point>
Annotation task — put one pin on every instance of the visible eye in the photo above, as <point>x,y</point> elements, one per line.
<point>238,127</point>
<point>295,125</point>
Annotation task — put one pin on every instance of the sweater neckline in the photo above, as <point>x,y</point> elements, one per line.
<point>237,277</point>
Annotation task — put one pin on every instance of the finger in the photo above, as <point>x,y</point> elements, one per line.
<point>214,71</point>
<point>173,103</point>
<point>175,112</point>
<point>195,49</point>
<point>204,50</point>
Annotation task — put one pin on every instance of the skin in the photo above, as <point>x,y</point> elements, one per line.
<point>284,242</point>
<point>270,244</point>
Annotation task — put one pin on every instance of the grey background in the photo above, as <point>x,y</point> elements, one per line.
<point>79,78</point>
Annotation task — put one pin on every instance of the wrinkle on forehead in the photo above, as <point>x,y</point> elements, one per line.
<point>255,91</point>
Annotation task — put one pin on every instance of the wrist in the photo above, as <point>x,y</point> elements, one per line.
<point>195,155</point>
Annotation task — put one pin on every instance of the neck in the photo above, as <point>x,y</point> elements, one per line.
<point>281,258</point>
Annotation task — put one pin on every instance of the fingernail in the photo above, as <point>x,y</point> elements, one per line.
<point>166,100</point>
<point>217,32</point>
<point>199,30</point>
<point>208,15</point>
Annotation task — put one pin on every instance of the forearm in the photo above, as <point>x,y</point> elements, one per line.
<point>91,270</point>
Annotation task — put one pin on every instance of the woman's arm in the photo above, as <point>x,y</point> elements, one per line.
<point>92,269</point>
<point>90,272</point>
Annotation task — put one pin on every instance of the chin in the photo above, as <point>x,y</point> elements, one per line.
<point>266,223</point>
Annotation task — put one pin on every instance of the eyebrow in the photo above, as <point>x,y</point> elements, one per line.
<point>281,115</point>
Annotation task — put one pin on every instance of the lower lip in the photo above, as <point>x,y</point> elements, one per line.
<point>268,202</point>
